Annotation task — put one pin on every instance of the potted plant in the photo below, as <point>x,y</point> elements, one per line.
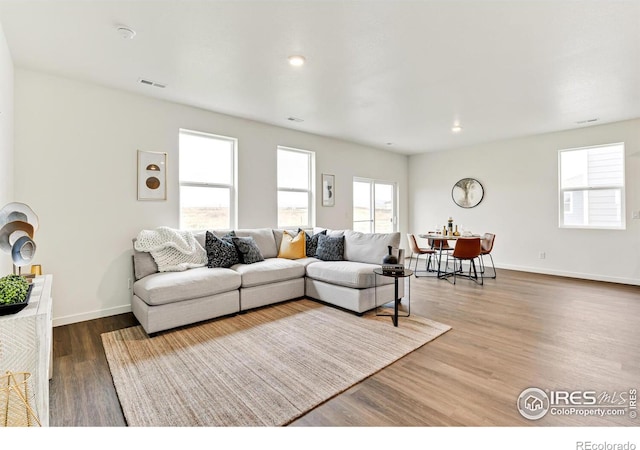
<point>14,294</point>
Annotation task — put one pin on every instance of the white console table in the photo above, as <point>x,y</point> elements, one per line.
<point>26,344</point>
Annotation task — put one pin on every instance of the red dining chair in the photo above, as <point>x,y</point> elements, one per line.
<point>467,249</point>
<point>487,246</point>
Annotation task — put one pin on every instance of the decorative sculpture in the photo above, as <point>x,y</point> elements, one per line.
<point>18,224</point>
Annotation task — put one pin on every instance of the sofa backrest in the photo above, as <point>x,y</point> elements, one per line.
<point>264,239</point>
<point>330,232</point>
<point>263,236</point>
<point>360,247</point>
<point>369,247</point>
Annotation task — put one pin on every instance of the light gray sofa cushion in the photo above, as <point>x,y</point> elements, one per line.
<point>201,237</point>
<point>168,287</point>
<point>269,271</point>
<point>368,247</point>
<point>332,233</point>
<point>306,261</point>
<point>143,264</point>
<point>346,273</point>
<point>264,238</point>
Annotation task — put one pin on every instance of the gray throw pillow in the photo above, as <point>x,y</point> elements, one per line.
<point>312,242</point>
<point>248,250</point>
<point>221,252</point>
<point>330,248</point>
<point>143,264</point>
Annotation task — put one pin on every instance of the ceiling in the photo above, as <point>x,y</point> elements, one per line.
<point>377,72</point>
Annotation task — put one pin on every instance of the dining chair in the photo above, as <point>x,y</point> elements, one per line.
<point>487,246</point>
<point>467,249</point>
<point>417,250</point>
<point>441,246</point>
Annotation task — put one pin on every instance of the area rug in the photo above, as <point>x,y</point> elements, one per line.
<point>263,368</point>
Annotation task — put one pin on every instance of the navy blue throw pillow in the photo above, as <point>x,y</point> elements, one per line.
<point>311,244</point>
<point>330,248</point>
<point>248,250</point>
<point>221,252</point>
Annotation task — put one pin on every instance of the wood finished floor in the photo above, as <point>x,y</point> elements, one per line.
<point>518,331</point>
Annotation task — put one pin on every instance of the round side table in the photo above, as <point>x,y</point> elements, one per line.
<point>406,273</point>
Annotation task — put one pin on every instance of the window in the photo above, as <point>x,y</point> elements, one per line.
<point>374,206</point>
<point>207,181</point>
<point>592,187</point>
<point>568,203</point>
<point>295,188</point>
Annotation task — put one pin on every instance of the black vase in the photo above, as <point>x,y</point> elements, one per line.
<point>390,259</point>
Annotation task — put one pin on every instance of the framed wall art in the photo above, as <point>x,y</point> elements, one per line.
<point>467,193</point>
<point>328,190</point>
<point>152,175</point>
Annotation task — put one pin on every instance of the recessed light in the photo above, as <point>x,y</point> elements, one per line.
<point>296,60</point>
<point>389,143</point>
<point>456,128</point>
<point>125,32</point>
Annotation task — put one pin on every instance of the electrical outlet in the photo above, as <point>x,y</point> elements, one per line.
<point>635,215</point>
<point>129,283</point>
<point>542,255</point>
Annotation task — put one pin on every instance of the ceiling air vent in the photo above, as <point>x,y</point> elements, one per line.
<point>581,122</point>
<point>294,119</point>
<point>152,83</point>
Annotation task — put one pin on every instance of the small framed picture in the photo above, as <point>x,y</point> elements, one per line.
<point>328,190</point>
<point>152,175</point>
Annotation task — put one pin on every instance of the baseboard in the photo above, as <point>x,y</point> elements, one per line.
<point>66,320</point>
<point>563,273</point>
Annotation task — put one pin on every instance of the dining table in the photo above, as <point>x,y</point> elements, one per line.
<point>436,241</point>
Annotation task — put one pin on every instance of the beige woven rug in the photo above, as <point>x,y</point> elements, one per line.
<point>263,368</point>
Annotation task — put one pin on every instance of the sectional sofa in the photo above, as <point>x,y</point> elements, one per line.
<point>165,300</point>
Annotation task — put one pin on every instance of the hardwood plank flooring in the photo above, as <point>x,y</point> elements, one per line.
<point>81,392</point>
<point>520,330</point>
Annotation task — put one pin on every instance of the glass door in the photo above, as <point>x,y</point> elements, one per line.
<point>374,206</point>
<point>384,217</point>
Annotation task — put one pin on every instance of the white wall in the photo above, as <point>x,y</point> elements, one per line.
<point>75,161</point>
<point>6,135</point>
<point>520,206</point>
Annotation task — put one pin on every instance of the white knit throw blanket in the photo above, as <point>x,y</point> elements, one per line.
<point>173,250</point>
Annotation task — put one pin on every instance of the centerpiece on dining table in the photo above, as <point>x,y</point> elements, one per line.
<point>448,230</point>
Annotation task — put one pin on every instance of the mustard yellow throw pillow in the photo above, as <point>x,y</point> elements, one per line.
<point>293,247</point>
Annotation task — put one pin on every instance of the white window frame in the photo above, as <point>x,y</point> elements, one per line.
<point>310,190</point>
<point>372,207</point>
<point>587,188</point>
<point>233,207</point>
